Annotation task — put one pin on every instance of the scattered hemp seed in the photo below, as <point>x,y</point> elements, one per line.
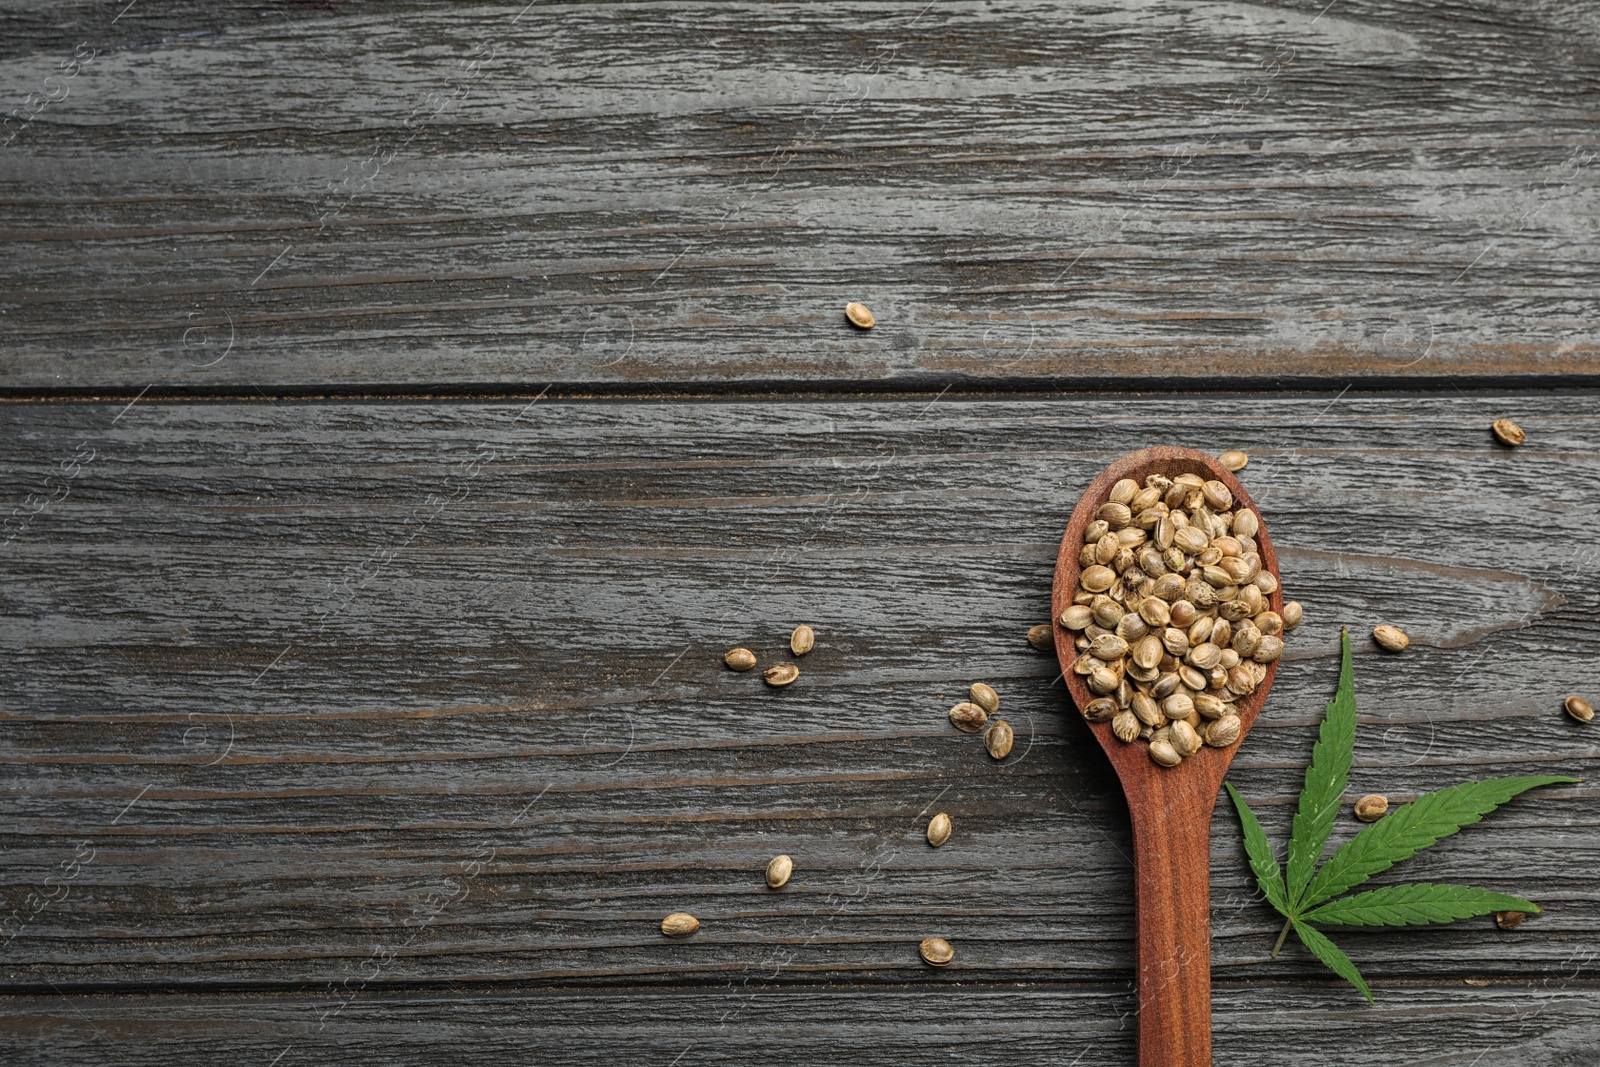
<point>1509,920</point>
<point>985,697</point>
<point>781,675</point>
<point>938,829</point>
<point>1390,638</point>
<point>1372,807</point>
<point>778,871</point>
<point>937,951</point>
<point>1041,637</point>
<point>801,641</point>
<point>997,739</point>
<point>1234,460</point>
<point>679,924</point>
<point>859,315</point>
<point>1579,708</point>
<point>1508,432</point>
<point>968,717</point>
<point>740,659</point>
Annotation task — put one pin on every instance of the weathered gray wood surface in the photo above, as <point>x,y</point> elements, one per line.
<point>352,698</point>
<point>1544,1023</point>
<point>341,731</point>
<point>302,197</point>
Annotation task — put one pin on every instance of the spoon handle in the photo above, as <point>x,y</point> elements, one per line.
<point>1172,872</point>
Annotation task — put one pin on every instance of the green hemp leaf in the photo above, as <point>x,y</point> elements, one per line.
<point>1304,894</point>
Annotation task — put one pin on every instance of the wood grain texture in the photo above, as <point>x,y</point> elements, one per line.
<point>305,197</point>
<point>340,696</point>
<point>340,731</point>
<point>1547,1022</point>
<point>1169,811</point>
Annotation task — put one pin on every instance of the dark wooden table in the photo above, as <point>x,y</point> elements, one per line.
<point>405,406</point>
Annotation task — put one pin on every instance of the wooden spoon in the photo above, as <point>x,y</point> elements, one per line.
<point>1171,807</point>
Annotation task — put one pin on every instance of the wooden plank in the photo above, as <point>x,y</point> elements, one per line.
<point>612,196</point>
<point>749,1020</point>
<point>296,684</point>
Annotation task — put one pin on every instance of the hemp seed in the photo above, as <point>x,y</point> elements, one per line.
<point>1390,638</point>
<point>1184,739</point>
<point>1101,709</point>
<point>1508,432</point>
<point>998,738</point>
<point>1372,807</point>
<point>936,951</point>
<point>778,871</point>
<point>968,717</point>
<point>939,829</point>
<point>1124,491</point>
<point>1224,731</point>
<point>1172,618</point>
<point>679,924</point>
<point>781,674</point>
<point>1077,617</point>
<point>1164,754</point>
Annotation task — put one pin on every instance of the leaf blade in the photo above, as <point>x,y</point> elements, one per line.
<point>1416,904</point>
<point>1329,954</point>
<point>1326,778</point>
<point>1263,864</point>
<point>1411,828</point>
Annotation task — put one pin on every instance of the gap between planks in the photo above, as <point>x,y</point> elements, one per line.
<point>910,389</point>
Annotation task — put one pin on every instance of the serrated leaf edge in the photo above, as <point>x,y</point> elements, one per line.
<point>1326,777</point>
<point>1258,850</point>
<point>1399,820</point>
<point>1331,956</point>
<point>1423,894</point>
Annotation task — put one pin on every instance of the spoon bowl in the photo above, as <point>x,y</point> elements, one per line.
<point>1170,808</point>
